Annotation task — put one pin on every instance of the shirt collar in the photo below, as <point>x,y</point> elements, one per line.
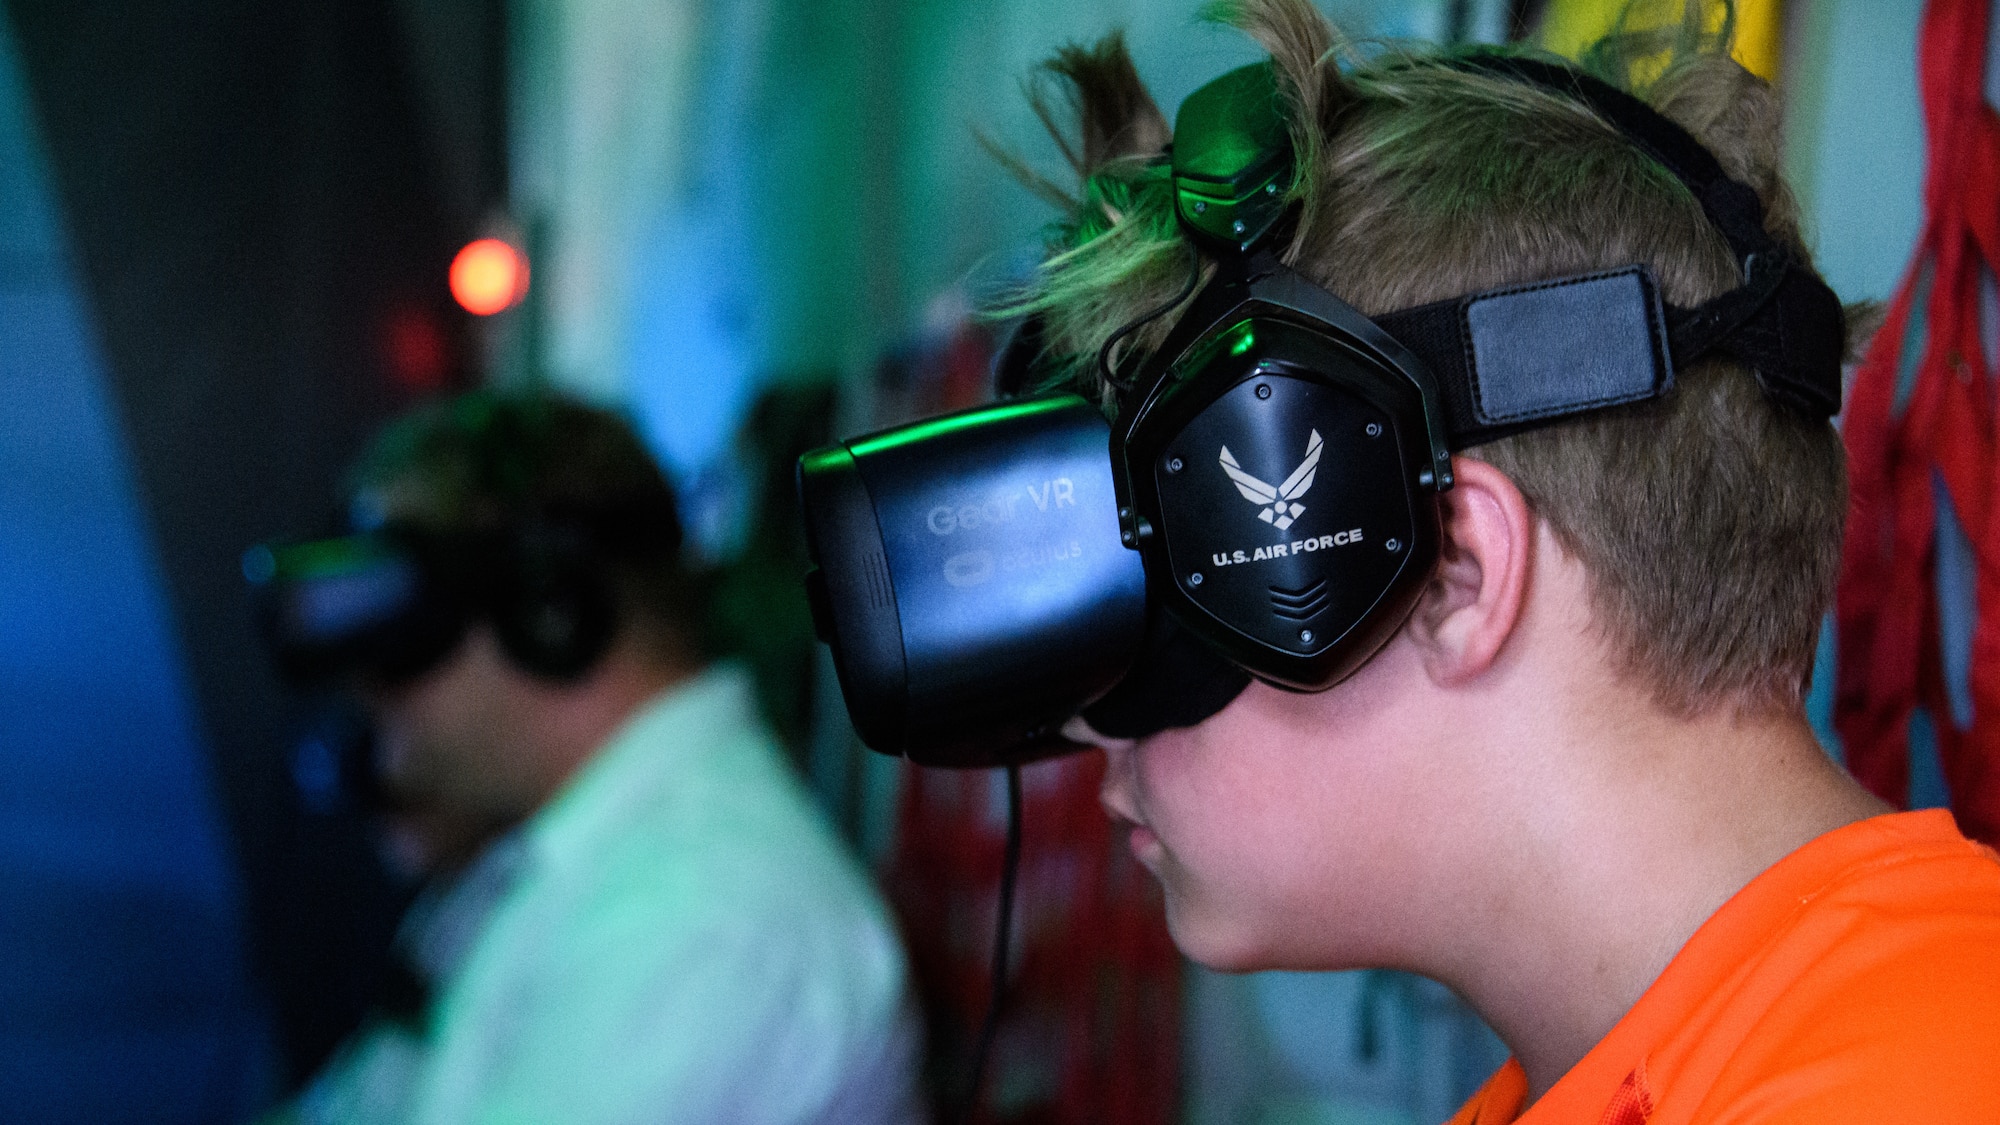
<point>663,739</point>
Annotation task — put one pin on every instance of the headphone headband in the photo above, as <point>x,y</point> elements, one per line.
<point>1783,321</point>
<point>1732,206</point>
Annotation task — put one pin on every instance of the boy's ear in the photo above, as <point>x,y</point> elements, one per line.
<point>1484,558</point>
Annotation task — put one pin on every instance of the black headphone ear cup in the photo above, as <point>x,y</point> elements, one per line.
<point>555,616</point>
<point>1303,529</point>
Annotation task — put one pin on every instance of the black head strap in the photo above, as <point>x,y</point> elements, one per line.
<point>1783,322</point>
<point>1511,359</point>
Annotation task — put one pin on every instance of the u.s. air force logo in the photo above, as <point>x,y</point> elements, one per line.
<point>1280,502</point>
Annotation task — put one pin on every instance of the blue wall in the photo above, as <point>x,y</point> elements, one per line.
<point>123,989</point>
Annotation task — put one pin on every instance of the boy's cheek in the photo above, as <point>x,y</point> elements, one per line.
<point>1236,873</point>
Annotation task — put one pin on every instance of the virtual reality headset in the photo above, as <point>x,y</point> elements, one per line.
<point>383,607</point>
<point>1265,503</point>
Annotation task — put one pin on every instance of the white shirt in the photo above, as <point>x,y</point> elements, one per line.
<point>677,937</point>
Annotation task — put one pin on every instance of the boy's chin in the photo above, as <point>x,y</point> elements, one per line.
<point>1214,944</point>
<point>1228,946</point>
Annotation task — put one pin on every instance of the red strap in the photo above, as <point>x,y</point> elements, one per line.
<point>1944,436</point>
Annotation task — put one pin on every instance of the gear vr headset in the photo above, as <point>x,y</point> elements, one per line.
<point>384,606</point>
<point>388,604</point>
<point>523,544</point>
<point>1265,504</point>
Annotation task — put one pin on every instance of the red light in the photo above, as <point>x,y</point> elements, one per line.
<point>418,351</point>
<point>488,276</point>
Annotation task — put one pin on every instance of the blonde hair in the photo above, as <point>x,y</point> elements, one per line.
<point>1709,520</point>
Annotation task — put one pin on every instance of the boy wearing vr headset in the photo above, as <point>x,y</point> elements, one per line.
<point>1565,768</point>
<point>664,929</point>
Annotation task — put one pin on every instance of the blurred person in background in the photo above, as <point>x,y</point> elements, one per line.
<point>636,914</point>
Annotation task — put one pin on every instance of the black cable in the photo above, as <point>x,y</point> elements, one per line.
<point>1010,867</point>
<point>1104,353</point>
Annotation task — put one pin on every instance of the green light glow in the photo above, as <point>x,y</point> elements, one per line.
<point>320,558</point>
<point>952,423</point>
<point>1248,341</point>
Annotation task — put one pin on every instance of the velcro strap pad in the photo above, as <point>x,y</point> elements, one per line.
<point>1511,359</point>
<point>1566,346</point>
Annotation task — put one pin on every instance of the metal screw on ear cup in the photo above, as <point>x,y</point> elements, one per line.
<point>1306,636</point>
<point>1174,464</point>
<point>1195,578</point>
<point>1373,429</point>
<point>1394,544</point>
<point>1263,390</point>
<point>1237,226</point>
<point>1199,207</point>
<point>1270,189</point>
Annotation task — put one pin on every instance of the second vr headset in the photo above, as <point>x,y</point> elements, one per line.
<point>1266,503</point>
<point>387,604</point>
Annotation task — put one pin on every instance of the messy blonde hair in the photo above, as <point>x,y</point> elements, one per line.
<point>1709,521</point>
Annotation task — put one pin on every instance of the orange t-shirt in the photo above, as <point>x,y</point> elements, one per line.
<point>1856,980</point>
